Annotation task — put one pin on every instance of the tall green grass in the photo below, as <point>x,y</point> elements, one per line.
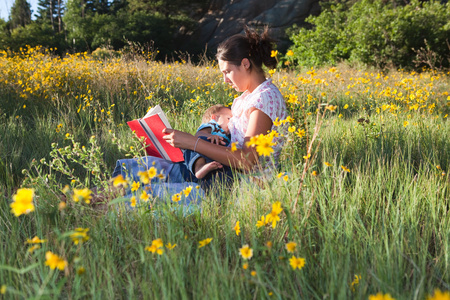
<point>386,220</point>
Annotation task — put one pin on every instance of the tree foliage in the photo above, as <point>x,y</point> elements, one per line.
<point>20,14</point>
<point>378,33</point>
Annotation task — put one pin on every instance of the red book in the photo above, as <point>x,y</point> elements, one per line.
<point>151,128</point>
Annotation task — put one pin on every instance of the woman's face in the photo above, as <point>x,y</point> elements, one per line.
<point>237,76</point>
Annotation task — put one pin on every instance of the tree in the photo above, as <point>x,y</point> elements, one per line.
<point>100,7</point>
<point>51,11</point>
<point>20,14</point>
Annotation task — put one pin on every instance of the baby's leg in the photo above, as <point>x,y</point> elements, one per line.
<point>203,168</point>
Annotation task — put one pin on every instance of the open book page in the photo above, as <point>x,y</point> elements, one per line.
<point>157,110</point>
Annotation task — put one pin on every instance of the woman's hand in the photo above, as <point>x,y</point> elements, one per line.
<point>179,139</point>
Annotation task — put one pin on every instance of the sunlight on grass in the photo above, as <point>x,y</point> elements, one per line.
<point>358,209</point>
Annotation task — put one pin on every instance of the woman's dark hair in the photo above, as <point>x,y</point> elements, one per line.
<point>256,47</point>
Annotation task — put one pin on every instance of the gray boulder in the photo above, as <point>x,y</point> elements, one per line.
<point>225,18</point>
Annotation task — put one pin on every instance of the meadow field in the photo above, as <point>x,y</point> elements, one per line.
<point>358,209</point>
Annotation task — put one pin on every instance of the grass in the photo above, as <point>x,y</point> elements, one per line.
<point>386,220</point>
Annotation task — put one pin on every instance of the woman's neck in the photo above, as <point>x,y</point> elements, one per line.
<point>256,81</point>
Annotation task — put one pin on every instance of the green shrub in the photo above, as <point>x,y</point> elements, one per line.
<point>377,34</point>
<point>104,53</point>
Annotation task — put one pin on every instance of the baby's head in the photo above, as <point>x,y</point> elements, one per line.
<point>219,113</point>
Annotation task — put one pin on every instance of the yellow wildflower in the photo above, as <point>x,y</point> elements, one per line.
<point>290,53</point>
<point>133,201</point>
<point>246,252</point>
<point>158,243</point>
<point>355,282</point>
<point>438,295</point>
<point>135,186</point>
<point>345,169</point>
<point>54,261</point>
<point>297,262</point>
<point>62,205</point>
<point>252,142</point>
<point>80,235</point>
<point>82,194</point>
<point>274,53</point>
<point>300,133</point>
<point>380,296</point>
<point>245,266</point>
<point>261,222</point>
<point>273,215</point>
<point>291,246</point>
<point>264,145</point>
<point>187,191</point>
<point>22,202</point>
<point>233,147</point>
<point>146,176</point>
<point>289,119</point>
<point>144,196</point>
<point>204,242</point>
<point>152,172</point>
<point>33,248</point>
<point>120,181</point>
<point>237,228</point>
<point>176,197</point>
<point>253,273</point>
<point>170,246</point>
<point>331,107</point>
<point>328,164</point>
<point>156,247</point>
<point>35,240</point>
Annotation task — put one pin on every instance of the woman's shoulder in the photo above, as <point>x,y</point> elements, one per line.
<point>269,100</point>
<point>268,89</point>
<point>266,92</point>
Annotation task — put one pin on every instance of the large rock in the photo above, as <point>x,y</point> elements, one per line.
<point>226,18</point>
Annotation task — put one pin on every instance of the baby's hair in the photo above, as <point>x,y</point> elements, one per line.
<point>256,47</point>
<point>212,111</point>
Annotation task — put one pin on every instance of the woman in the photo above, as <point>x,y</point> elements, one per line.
<point>241,60</point>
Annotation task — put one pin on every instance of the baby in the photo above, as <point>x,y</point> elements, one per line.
<point>214,128</point>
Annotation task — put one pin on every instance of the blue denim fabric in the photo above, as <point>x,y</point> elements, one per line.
<point>177,178</point>
<point>190,157</point>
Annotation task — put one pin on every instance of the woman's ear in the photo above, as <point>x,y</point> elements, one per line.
<point>214,117</point>
<point>245,63</point>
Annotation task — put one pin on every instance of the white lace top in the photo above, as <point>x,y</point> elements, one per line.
<point>268,99</point>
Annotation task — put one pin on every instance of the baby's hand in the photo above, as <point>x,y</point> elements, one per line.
<point>215,139</point>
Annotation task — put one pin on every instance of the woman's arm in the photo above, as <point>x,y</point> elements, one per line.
<point>245,158</point>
